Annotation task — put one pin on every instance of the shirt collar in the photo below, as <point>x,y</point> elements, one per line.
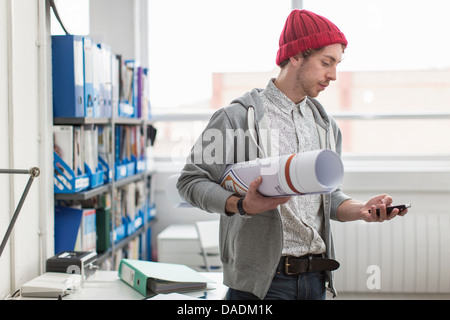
<point>279,99</point>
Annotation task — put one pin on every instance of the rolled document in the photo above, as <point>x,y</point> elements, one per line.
<point>319,171</point>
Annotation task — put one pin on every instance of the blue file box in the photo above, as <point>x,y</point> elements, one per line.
<point>128,102</point>
<point>75,227</point>
<point>68,76</point>
<point>66,181</point>
<point>67,224</point>
<point>140,165</point>
<point>97,177</point>
<point>104,72</point>
<point>107,172</point>
<point>120,232</point>
<point>125,168</point>
<point>126,110</point>
<point>89,71</point>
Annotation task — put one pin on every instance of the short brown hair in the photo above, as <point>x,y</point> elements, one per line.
<point>305,54</point>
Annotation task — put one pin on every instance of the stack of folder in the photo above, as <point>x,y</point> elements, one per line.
<point>89,80</point>
<point>150,278</point>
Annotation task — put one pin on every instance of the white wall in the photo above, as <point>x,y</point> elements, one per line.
<point>25,140</point>
<point>121,24</point>
<point>4,145</point>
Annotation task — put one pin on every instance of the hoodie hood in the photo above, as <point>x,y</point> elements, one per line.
<point>250,98</point>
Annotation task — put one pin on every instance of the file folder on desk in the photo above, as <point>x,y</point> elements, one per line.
<point>150,278</point>
<point>68,76</point>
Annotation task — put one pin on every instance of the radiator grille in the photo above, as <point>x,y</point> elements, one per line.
<point>412,253</point>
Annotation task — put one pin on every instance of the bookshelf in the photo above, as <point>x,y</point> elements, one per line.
<point>115,110</point>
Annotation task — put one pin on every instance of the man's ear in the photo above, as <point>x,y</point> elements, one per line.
<point>296,60</point>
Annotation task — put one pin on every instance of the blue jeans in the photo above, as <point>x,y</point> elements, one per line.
<point>305,286</point>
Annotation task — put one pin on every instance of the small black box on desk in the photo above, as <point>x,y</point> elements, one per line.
<point>75,262</point>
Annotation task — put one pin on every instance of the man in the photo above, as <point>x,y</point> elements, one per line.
<point>285,250</point>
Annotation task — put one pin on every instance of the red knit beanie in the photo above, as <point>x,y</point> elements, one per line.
<point>306,30</point>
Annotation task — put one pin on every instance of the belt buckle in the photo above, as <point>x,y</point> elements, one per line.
<point>286,267</point>
<point>310,257</point>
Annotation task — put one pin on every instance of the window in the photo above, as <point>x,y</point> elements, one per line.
<point>392,95</point>
<point>193,44</point>
<point>393,88</point>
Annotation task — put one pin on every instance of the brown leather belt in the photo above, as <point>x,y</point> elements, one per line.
<point>309,263</point>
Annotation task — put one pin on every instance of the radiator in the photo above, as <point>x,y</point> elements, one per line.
<point>409,254</point>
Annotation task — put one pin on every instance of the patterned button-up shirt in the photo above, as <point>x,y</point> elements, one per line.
<point>295,132</point>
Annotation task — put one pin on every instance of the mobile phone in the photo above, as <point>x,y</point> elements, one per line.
<point>399,207</point>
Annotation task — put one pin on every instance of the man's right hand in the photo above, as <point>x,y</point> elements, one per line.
<point>255,202</point>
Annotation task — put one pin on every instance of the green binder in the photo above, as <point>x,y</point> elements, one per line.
<point>103,222</point>
<point>150,278</point>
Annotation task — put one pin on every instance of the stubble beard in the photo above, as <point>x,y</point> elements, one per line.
<point>303,88</point>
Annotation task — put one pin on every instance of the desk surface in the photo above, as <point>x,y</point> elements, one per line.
<point>106,285</point>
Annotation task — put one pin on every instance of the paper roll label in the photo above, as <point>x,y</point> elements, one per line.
<point>232,183</point>
<point>287,174</point>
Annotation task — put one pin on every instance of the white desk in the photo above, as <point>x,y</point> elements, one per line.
<point>106,285</point>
